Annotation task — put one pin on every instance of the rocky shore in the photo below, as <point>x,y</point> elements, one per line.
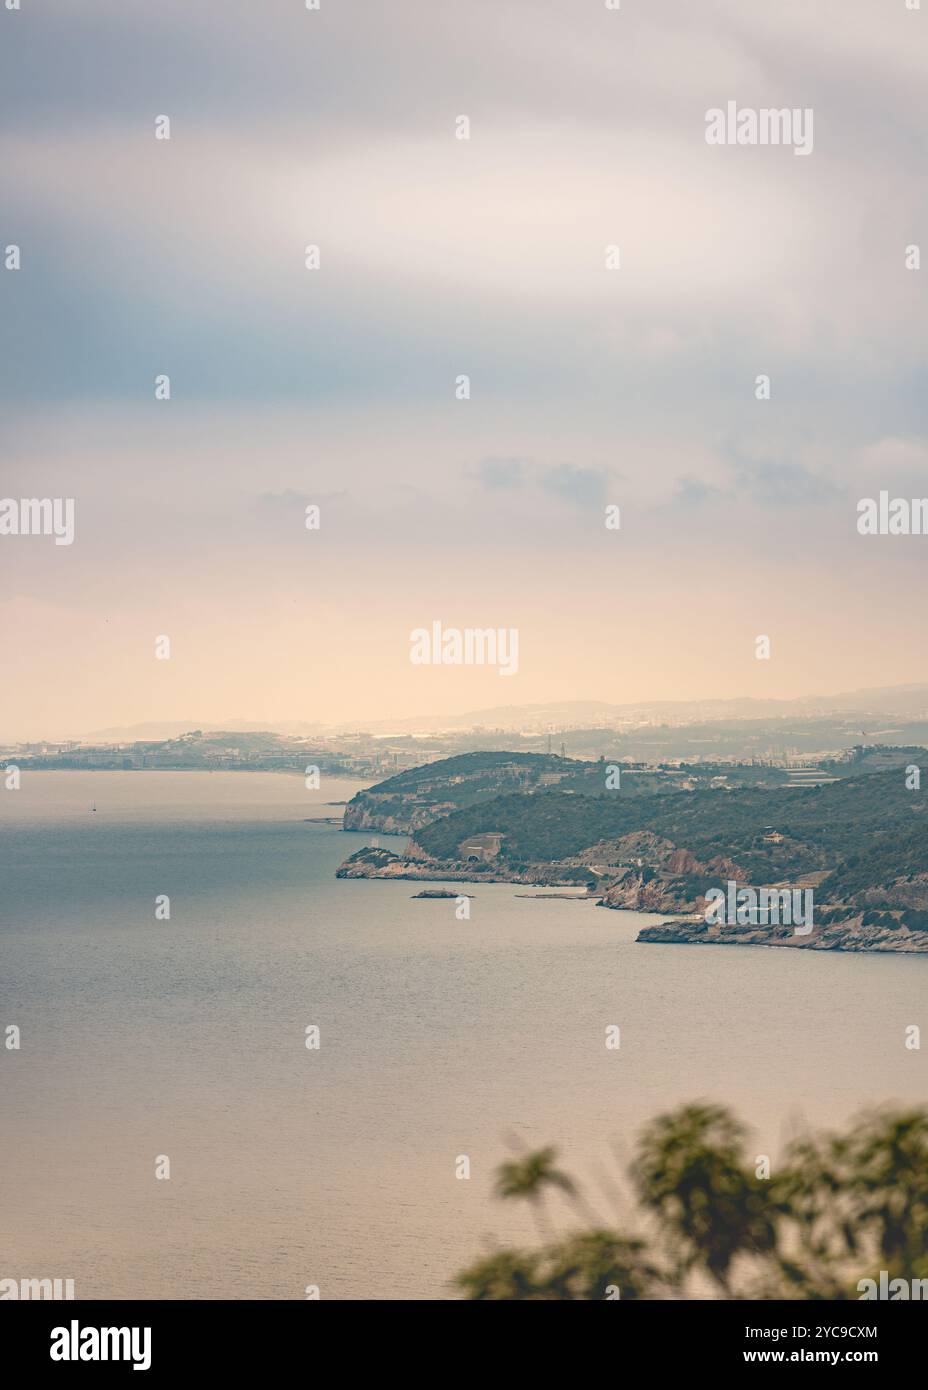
<point>440,893</point>
<point>373,862</point>
<point>639,890</point>
<point>849,934</point>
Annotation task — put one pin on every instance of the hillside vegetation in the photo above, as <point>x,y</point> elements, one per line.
<point>845,822</point>
<point>420,795</point>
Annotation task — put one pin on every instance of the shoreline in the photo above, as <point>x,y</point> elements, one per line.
<point>848,935</point>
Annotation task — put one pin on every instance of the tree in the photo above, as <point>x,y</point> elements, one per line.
<point>838,1209</point>
<point>690,1171</point>
<point>528,1178</point>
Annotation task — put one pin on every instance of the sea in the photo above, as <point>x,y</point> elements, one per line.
<point>167,1133</point>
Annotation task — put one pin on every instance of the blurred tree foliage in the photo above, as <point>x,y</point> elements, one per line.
<point>839,1208</point>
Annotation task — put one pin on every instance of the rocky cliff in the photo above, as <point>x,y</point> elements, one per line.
<point>366,812</point>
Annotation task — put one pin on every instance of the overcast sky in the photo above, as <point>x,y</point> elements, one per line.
<point>441,257</point>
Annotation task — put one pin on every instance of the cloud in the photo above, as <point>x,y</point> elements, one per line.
<point>582,486</point>
<point>693,492</point>
<point>586,487</point>
<point>782,482</point>
<point>497,474</point>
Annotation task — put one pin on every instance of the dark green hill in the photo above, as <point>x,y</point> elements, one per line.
<point>419,795</point>
<point>770,833</point>
<point>471,765</point>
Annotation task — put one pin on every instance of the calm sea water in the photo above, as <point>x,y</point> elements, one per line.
<point>439,1038</point>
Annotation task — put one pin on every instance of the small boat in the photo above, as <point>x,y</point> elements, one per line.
<point>93,806</point>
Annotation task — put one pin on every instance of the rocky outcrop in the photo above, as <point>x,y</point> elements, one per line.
<point>441,893</point>
<point>367,812</point>
<point>848,934</point>
<point>383,863</point>
<point>635,891</point>
<point>361,817</point>
<point>643,849</point>
<point>642,846</point>
<point>902,892</point>
<point>725,869</point>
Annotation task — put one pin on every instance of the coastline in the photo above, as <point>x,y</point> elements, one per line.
<point>431,875</point>
<point>849,934</point>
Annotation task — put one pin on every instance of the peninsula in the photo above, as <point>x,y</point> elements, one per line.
<point>662,839</point>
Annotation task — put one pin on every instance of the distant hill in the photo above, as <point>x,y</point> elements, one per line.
<point>416,797</point>
<point>158,731</point>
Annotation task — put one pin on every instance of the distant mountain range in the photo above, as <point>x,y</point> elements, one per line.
<point>897,701</point>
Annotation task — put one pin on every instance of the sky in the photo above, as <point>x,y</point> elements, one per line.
<point>440,257</point>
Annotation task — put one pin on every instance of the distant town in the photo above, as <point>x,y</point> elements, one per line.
<point>360,756</point>
<point>802,735</point>
<point>805,749</point>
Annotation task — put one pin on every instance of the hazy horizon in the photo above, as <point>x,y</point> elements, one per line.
<point>888,701</point>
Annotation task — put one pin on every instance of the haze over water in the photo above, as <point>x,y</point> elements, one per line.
<point>440,1038</point>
